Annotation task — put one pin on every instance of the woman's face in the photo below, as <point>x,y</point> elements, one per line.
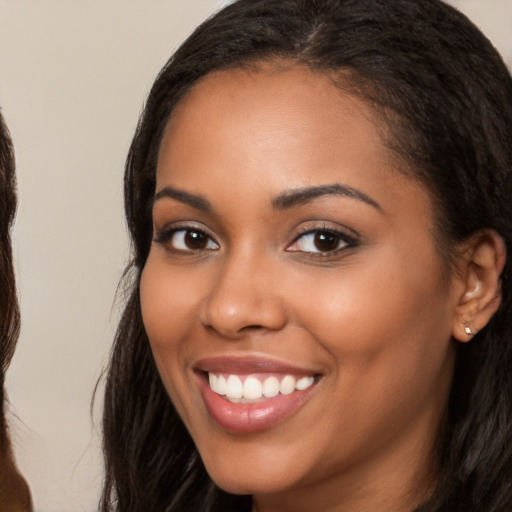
<point>295,269</point>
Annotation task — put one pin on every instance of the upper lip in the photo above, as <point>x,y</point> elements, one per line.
<point>248,365</point>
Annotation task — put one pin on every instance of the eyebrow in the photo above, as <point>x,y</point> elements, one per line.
<point>301,196</point>
<point>288,199</point>
<point>196,201</point>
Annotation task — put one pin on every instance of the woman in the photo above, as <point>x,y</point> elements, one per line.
<point>319,199</point>
<point>14,494</point>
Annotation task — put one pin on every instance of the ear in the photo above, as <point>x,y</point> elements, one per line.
<point>479,269</point>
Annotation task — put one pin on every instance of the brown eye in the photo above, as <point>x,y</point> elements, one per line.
<point>195,240</point>
<point>326,241</point>
<point>192,240</point>
<point>321,241</point>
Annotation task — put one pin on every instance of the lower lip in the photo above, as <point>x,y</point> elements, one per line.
<point>252,417</point>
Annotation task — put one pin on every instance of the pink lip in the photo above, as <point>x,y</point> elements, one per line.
<point>249,365</point>
<point>250,417</point>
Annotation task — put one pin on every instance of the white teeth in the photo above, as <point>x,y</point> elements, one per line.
<point>218,384</point>
<point>234,387</point>
<point>254,389</point>
<point>304,383</point>
<point>270,387</point>
<point>287,385</point>
<point>212,380</point>
<point>221,385</point>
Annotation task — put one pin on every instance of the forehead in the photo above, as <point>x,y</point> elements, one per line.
<point>285,92</point>
<point>273,128</point>
<point>276,108</point>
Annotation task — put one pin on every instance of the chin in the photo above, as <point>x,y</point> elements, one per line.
<point>257,481</point>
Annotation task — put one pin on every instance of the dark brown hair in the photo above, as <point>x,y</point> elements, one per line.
<point>446,96</point>
<point>9,313</point>
<point>14,492</point>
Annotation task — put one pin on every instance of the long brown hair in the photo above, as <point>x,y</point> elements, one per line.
<point>14,493</point>
<point>9,312</point>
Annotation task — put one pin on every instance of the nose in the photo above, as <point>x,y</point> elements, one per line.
<point>244,297</point>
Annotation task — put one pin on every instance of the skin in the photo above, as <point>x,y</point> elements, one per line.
<point>374,318</point>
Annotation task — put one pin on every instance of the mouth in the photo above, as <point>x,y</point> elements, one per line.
<point>250,395</point>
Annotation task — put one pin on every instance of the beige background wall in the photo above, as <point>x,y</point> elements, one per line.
<point>73,77</point>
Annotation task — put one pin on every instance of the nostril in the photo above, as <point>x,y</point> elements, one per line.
<point>233,314</point>
<point>252,327</point>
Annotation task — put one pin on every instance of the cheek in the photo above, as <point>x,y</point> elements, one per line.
<point>166,315</point>
<point>386,329</point>
<point>382,310</point>
<point>168,303</point>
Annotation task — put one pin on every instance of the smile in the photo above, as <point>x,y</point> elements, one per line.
<point>253,388</point>
<point>246,395</point>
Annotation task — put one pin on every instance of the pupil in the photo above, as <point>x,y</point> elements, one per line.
<point>195,240</point>
<point>325,241</point>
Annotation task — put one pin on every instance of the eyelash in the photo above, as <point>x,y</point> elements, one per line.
<point>166,236</point>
